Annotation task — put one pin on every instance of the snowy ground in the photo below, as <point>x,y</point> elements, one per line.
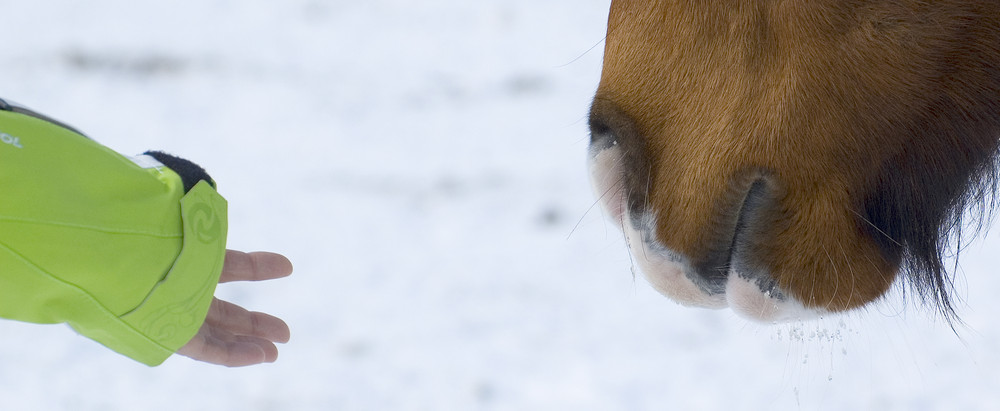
<point>423,165</point>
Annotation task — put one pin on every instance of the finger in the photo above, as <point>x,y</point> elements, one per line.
<point>267,347</point>
<point>237,320</point>
<point>216,346</point>
<point>255,266</point>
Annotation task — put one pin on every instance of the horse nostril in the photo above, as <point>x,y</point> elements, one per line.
<point>601,136</point>
<point>612,128</point>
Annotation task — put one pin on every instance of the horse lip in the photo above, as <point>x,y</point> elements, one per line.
<point>710,274</point>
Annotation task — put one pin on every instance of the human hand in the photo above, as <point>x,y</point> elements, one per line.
<point>231,335</point>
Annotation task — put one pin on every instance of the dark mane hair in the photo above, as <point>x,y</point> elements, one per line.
<point>939,190</point>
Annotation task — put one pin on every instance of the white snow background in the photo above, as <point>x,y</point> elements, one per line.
<point>423,164</point>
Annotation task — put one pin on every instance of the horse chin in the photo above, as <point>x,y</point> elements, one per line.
<point>670,273</point>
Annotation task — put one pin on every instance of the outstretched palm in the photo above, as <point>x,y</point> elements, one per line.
<point>231,335</point>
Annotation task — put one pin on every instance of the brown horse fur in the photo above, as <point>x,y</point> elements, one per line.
<point>812,147</point>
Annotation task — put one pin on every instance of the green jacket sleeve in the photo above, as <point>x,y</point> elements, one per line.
<point>118,248</point>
